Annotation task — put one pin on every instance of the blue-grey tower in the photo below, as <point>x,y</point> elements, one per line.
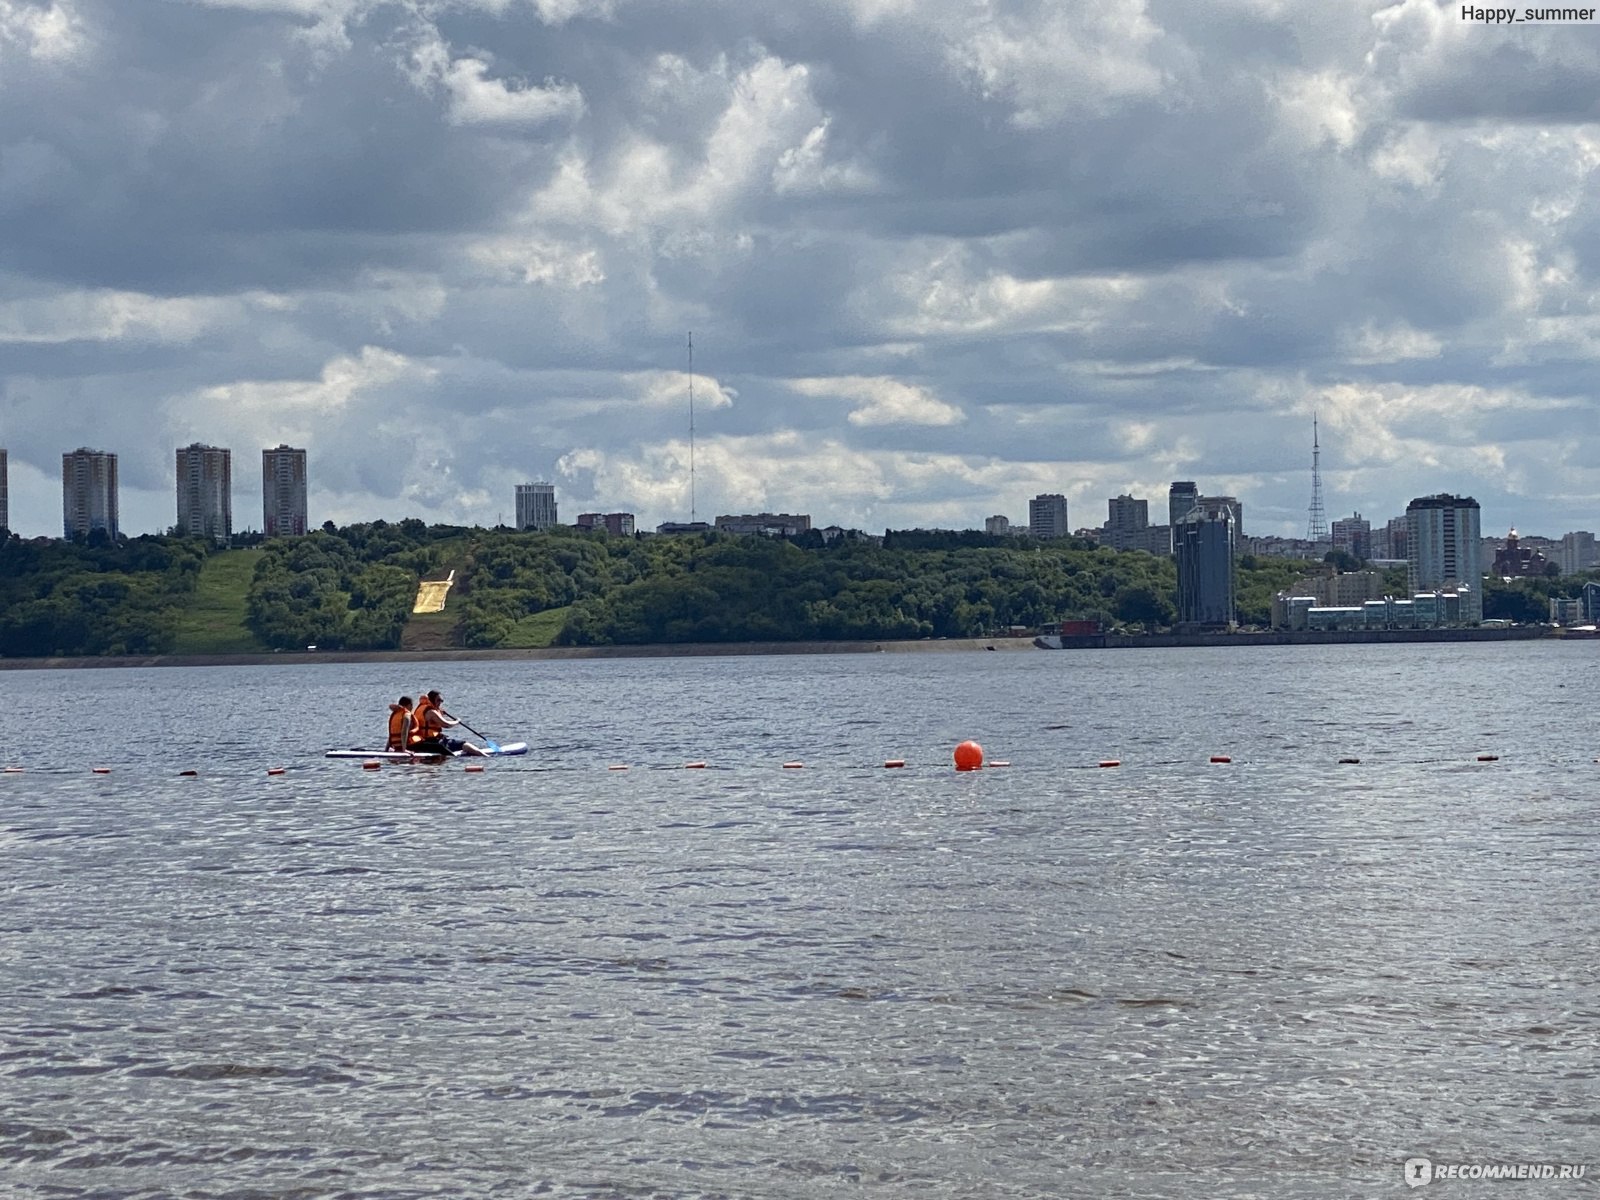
<point>1204,544</point>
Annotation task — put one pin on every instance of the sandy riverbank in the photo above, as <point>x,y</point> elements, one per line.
<point>697,650</point>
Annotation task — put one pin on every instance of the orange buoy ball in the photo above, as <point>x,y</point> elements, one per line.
<point>969,756</point>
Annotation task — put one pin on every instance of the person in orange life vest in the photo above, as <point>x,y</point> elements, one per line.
<point>400,722</point>
<point>419,718</point>
<point>432,723</point>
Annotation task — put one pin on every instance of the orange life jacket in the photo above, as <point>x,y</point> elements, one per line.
<point>419,725</point>
<point>397,727</point>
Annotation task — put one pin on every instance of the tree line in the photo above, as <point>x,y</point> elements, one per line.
<point>94,598</point>
<point>353,588</point>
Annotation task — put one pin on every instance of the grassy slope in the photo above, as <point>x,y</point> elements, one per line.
<point>213,620</point>
<point>537,631</point>
<point>430,631</point>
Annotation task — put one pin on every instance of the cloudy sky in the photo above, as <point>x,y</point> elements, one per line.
<point>937,256</point>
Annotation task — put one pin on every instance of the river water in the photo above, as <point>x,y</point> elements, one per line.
<point>1279,976</point>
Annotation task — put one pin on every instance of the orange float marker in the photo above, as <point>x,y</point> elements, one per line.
<point>371,764</point>
<point>793,766</point>
<point>1221,758</point>
<point>1110,762</point>
<point>474,768</point>
<point>968,756</point>
<point>274,770</point>
<point>694,766</point>
<point>895,762</point>
<point>101,770</point>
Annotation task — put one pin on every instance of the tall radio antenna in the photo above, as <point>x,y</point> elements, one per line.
<point>1317,526</point>
<point>691,427</point>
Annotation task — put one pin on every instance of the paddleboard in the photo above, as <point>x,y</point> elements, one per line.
<point>505,751</point>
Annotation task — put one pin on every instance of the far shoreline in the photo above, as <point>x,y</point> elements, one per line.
<point>552,653</point>
<point>750,649</point>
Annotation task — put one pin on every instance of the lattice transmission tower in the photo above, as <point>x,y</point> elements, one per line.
<point>1317,525</point>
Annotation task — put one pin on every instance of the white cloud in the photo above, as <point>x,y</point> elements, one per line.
<point>351,399</point>
<point>476,98</point>
<point>1434,426</point>
<point>1370,345</point>
<point>769,135</point>
<point>670,389</point>
<point>52,33</point>
<point>111,316</point>
<point>540,260</point>
<point>883,401</point>
<point>1051,62</point>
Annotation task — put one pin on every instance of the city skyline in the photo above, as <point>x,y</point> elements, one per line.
<point>937,258</point>
<point>285,488</point>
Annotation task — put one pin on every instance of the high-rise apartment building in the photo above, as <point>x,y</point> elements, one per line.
<point>1126,519</point>
<point>536,505</point>
<point>1353,535</point>
<point>997,526</point>
<point>283,492</point>
<point>1442,539</point>
<point>1391,541</point>
<point>1182,496</point>
<point>5,493</point>
<point>1047,516</point>
<point>1233,506</point>
<point>88,492</point>
<point>1203,542</point>
<point>1578,551</point>
<point>205,492</point>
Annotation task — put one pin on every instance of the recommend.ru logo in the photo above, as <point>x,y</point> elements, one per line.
<point>1419,1170</point>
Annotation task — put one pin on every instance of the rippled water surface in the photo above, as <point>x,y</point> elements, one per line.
<point>1279,976</point>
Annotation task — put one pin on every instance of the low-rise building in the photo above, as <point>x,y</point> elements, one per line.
<point>1566,610</point>
<point>1425,610</point>
<point>771,524</point>
<point>1589,599</point>
<point>618,524</point>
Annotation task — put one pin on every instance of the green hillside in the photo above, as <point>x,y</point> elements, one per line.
<point>212,620</point>
<point>353,589</point>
